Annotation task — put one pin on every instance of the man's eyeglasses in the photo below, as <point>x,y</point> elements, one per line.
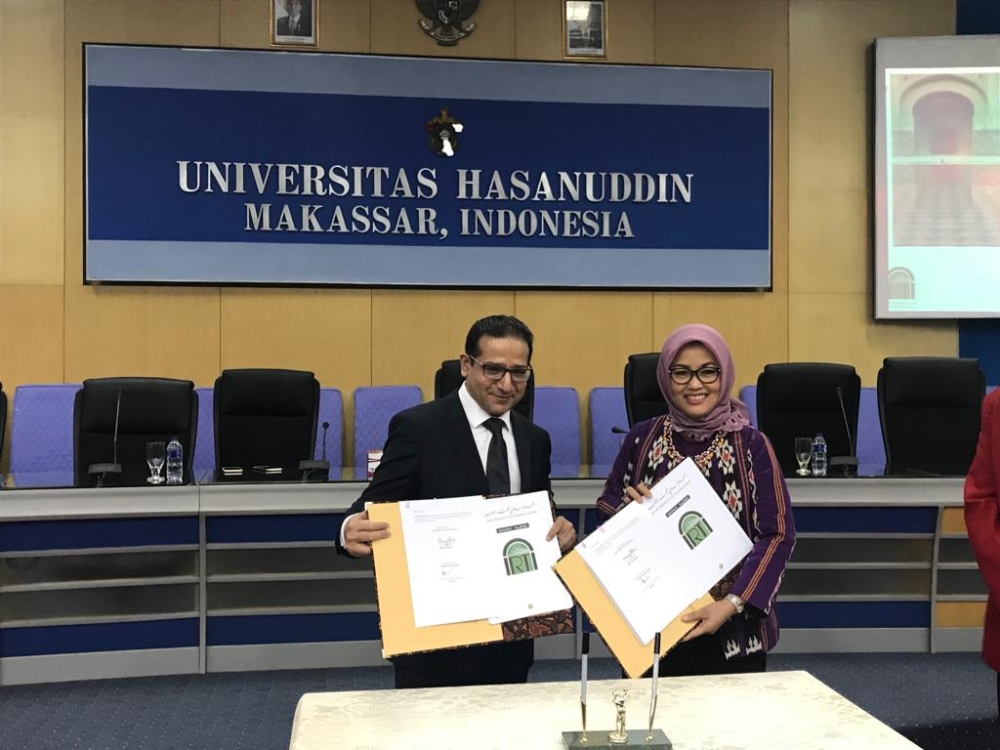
<point>707,374</point>
<point>494,371</point>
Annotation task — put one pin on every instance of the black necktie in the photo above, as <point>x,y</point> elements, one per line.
<point>497,470</point>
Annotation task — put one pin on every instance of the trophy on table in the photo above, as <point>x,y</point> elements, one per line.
<point>619,738</point>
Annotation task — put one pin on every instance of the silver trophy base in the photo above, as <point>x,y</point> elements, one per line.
<point>600,739</point>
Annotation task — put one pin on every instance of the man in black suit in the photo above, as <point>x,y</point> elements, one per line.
<point>469,442</point>
<point>298,22</point>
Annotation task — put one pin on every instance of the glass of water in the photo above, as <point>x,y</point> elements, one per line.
<point>156,453</point>
<point>803,452</point>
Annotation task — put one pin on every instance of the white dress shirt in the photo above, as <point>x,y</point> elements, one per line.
<point>477,417</point>
<point>481,434</point>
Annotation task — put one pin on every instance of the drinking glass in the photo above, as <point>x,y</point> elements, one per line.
<point>156,452</point>
<point>803,452</point>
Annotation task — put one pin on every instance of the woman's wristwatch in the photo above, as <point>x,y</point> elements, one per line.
<point>738,604</point>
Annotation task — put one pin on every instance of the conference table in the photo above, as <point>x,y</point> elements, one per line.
<point>224,576</point>
<point>728,712</point>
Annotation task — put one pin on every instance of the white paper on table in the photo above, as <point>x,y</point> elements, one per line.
<point>654,558</point>
<point>516,527</point>
<point>444,540</point>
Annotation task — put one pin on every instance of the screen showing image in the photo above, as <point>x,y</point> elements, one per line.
<point>937,177</point>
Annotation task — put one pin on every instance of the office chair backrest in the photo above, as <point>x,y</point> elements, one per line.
<point>3,417</point>
<point>151,409</point>
<point>41,430</point>
<point>557,411</point>
<point>799,399</point>
<point>265,417</point>
<point>608,423</point>
<point>374,408</point>
<point>449,377</point>
<point>930,412</point>
<point>643,399</point>
<point>870,445</point>
<point>204,452</point>
<point>331,411</point>
<point>748,395</point>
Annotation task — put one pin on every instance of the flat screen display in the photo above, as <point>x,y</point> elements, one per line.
<point>937,177</point>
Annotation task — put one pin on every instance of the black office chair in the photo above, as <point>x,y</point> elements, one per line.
<point>448,378</point>
<point>3,418</point>
<point>643,399</point>
<point>144,410</point>
<point>799,399</point>
<point>930,412</point>
<point>264,418</point>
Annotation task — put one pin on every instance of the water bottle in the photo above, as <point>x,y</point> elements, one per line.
<point>175,462</point>
<point>819,455</point>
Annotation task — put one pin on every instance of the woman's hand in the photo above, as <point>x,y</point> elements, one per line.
<point>709,618</point>
<point>638,494</point>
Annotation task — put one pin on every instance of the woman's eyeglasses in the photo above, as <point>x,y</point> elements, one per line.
<point>494,371</point>
<point>707,374</point>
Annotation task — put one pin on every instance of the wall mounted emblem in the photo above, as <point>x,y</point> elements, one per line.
<point>444,130</point>
<point>447,21</point>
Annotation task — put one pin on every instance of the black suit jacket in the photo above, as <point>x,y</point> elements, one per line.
<point>305,26</point>
<point>430,453</point>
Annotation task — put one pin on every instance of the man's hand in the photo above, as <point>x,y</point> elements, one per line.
<point>564,531</point>
<point>359,533</point>
<point>709,618</point>
<point>638,494</point>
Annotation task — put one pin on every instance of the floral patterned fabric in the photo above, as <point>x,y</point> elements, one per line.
<point>742,469</point>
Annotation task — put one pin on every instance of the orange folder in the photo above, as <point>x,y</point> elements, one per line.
<point>635,657</point>
<point>400,635</point>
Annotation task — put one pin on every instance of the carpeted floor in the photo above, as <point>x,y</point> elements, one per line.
<point>941,702</point>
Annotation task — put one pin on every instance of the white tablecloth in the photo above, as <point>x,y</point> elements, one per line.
<point>788,710</point>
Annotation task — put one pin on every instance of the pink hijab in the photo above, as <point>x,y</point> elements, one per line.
<point>730,414</point>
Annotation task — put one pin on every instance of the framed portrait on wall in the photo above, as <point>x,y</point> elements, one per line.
<point>585,30</point>
<point>294,22</point>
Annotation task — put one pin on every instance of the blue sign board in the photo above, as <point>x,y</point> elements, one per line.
<point>211,166</point>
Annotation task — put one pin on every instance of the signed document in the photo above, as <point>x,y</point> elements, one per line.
<point>471,558</point>
<point>655,558</point>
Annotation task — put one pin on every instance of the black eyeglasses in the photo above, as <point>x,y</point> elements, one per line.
<point>707,374</point>
<point>496,372</point>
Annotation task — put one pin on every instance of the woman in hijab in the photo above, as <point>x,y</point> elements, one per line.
<point>704,423</point>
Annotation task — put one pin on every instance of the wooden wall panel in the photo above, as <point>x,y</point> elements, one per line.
<point>631,36</point>
<point>960,614</point>
<point>819,308</point>
<point>838,327</point>
<point>395,31</point>
<point>953,521</point>
<point>413,331</point>
<point>322,330</point>
<point>722,33</point>
<point>583,339</point>
<point>538,30</point>
<point>31,143</point>
<point>155,332</point>
<point>830,315</point>
<point>832,123</point>
<point>740,34</point>
<point>326,331</point>
<point>753,325</point>
<point>31,344</point>
<point>343,25</point>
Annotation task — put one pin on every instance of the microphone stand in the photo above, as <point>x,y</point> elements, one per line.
<point>583,686</point>
<point>845,466</point>
<point>102,471</point>
<point>308,466</point>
